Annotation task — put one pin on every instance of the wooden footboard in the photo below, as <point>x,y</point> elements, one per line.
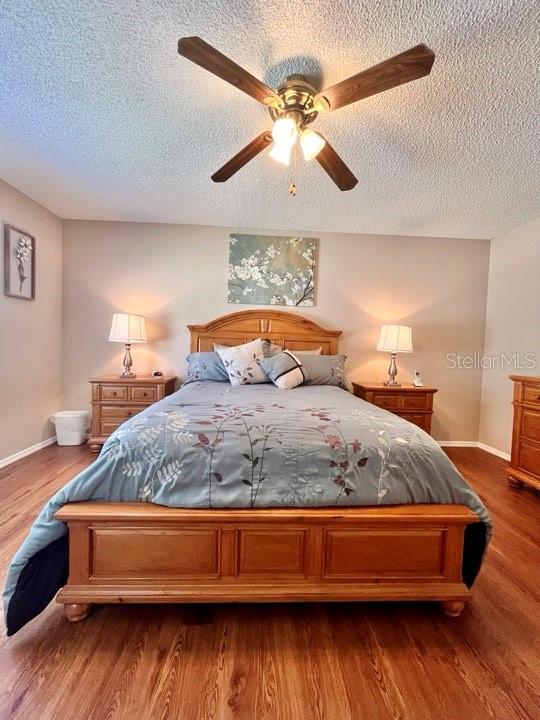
<point>144,553</point>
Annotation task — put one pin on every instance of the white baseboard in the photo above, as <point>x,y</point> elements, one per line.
<point>494,451</point>
<point>476,444</point>
<point>27,451</point>
<point>458,443</point>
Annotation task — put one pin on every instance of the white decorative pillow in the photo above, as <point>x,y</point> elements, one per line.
<point>317,351</point>
<point>242,362</point>
<point>284,370</point>
<point>271,349</point>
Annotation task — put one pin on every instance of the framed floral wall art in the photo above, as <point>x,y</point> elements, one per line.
<point>19,263</point>
<point>269,270</point>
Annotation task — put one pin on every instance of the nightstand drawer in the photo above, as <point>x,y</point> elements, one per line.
<point>410,402</point>
<point>120,412</point>
<point>143,393</point>
<point>113,392</point>
<point>419,419</point>
<point>117,399</point>
<point>106,428</point>
<point>414,402</point>
<point>387,401</point>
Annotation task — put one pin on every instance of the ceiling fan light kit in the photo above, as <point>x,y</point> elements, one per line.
<point>296,104</point>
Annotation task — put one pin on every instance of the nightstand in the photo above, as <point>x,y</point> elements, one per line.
<point>414,404</point>
<point>116,399</point>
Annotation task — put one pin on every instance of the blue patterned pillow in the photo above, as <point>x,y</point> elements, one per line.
<point>325,370</point>
<point>205,366</point>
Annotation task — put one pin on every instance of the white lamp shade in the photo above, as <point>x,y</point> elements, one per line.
<point>395,339</point>
<point>127,329</point>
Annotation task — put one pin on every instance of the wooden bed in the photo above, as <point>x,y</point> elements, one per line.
<point>143,553</point>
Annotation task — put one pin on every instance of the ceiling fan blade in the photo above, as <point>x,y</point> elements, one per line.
<point>203,54</point>
<point>243,157</point>
<point>330,161</point>
<point>409,65</point>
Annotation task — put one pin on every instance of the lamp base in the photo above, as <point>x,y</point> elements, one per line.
<point>392,372</point>
<point>128,362</point>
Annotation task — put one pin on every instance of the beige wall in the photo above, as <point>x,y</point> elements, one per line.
<point>31,332</point>
<point>512,326</point>
<point>177,274</point>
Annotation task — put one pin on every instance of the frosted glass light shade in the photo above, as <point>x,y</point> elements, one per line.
<point>281,153</point>
<point>127,329</point>
<point>311,143</point>
<point>395,339</point>
<point>284,131</point>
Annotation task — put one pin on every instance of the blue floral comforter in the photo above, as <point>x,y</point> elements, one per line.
<point>216,445</point>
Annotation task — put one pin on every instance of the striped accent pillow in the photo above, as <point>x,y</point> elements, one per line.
<point>284,370</point>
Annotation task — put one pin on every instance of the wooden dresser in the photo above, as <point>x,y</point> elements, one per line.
<point>524,465</point>
<point>414,404</point>
<point>116,399</point>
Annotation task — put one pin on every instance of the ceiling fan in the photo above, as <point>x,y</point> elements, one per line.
<point>296,104</point>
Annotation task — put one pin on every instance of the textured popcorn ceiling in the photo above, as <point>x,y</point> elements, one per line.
<point>100,118</point>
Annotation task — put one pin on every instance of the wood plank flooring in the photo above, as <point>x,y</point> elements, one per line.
<point>284,662</point>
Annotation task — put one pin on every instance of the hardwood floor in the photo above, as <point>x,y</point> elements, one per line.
<point>287,662</point>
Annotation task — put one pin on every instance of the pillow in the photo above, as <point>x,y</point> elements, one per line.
<point>271,349</point>
<point>242,362</point>
<point>325,370</point>
<point>284,370</point>
<point>205,366</point>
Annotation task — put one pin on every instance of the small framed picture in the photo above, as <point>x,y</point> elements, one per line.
<point>19,264</point>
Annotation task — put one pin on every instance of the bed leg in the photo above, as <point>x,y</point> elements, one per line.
<point>452,608</point>
<point>75,612</point>
<point>515,483</point>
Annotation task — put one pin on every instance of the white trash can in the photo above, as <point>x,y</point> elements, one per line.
<point>71,426</point>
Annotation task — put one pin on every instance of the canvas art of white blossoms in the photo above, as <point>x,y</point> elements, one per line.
<point>268,270</point>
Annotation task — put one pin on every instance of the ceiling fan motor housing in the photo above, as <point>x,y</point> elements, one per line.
<point>298,96</point>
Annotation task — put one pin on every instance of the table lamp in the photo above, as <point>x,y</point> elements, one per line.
<point>127,329</point>
<point>394,339</point>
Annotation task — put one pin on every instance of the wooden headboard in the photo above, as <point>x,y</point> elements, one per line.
<point>282,328</point>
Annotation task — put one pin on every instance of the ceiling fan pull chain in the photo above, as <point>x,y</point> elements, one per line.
<point>292,186</point>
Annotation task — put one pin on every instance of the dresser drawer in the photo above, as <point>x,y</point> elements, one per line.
<point>113,392</point>
<point>414,402</point>
<point>143,393</point>
<point>529,458</point>
<point>531,394</point>
<point>530,424</point>
<point>121,412</point>
<point>384,400</point>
